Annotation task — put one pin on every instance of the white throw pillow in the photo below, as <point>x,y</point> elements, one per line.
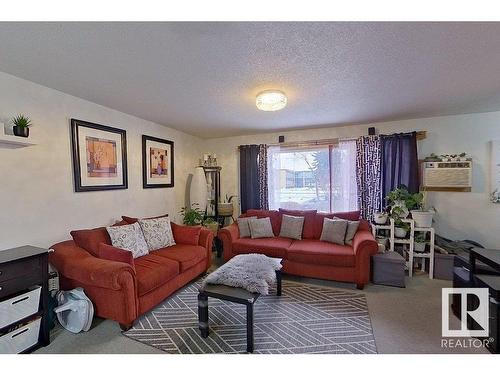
<point>291,227</point>
<point>130,238</point>
<point>157,232</point>
<point>261,228</point>
<point>244,226</point>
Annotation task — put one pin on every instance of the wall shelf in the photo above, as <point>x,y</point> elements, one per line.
<point>12,141</point>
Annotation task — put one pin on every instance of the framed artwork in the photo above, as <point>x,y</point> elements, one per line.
<point>157,162</point>
<point>99,156</point>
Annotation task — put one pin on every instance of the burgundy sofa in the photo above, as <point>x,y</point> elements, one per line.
<point>308,257</point>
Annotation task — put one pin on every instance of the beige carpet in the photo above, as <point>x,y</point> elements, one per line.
<point>403,321</point>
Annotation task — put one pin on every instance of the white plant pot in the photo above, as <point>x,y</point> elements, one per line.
<point>380,217</point>
<point>400,232</point>
<point>419,247</point>
<point>382,241</point>
<point>423,219</point>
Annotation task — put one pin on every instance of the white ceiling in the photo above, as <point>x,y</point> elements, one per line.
<point>202,78</point>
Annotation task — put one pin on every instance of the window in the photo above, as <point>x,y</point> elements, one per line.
<point>317,177</point>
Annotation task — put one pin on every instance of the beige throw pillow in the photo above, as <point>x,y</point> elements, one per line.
<point>352,228</point>
<point>334,231</point>
<point>261,228</point>
<point>291,227</point>
<point>130,238</point>
<point>157,232</point>
<point>244,226</point>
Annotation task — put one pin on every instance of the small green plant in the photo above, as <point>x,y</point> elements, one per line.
<point>228,198</point>
<point>192,215</point>
<point>420,237</point>
<point>401,194</point>
<point>208,221</point>
<point>22,121</point>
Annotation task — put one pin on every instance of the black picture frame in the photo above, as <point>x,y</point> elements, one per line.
<point>76,125</point>
<point>145,160</point>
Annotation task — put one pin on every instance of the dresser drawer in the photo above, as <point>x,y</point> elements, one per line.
<point>21,339</point>
<point>20,268</point>
<point>10,287</point>
<point>19,307</point>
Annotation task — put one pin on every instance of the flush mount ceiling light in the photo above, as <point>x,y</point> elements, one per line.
<point>271,100</point>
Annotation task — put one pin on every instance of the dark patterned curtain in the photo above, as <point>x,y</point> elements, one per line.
<point>253,177</point>
<point>262,170</point>
<point>399,162</point>
<point>368,172</point>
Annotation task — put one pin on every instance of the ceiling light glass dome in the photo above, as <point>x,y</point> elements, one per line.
<point>271,100</point>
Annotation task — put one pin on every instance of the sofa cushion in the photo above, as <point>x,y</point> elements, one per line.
<point>129,237</point>
<point>153,271</point>
<point>89,239</point>
<point>274,247</point>
<point>308,215</point>
<point>320,216</point>
<point>352,228</point>
<point>186,255</point>
<point>187,235</point>
<point>275,217</point>
<point>321,253</point>
<point>291,227</point>
<point>261,228</point>
<point>115,254</point>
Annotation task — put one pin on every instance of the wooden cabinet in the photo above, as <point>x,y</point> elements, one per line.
<point>24,297</point>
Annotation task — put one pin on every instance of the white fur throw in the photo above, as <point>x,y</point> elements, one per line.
<point>253,272</point>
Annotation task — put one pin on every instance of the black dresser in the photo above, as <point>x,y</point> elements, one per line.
<point>24,294</point>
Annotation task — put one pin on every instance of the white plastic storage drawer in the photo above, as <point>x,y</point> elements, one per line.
<point>21,339</point>
<point>19,307</point>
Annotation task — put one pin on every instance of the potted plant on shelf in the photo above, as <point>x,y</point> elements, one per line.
<point>380,217</point>
<point>401,228</point>
<point>423,218</point>
<point>226,208</point>
<point>420,243</point>
<point>211,224</point>
<point>192,215</point>
<point>21,126</point>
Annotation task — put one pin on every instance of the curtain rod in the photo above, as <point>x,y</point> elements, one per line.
<point>332,141</point>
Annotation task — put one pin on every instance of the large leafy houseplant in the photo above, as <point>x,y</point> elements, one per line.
<point>192,215</point>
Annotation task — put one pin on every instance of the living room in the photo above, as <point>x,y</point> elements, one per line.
<point>250,188</point>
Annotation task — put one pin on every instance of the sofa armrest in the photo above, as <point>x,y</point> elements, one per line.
<point>364,246</point>
<point>77,264</point>
<point>206,240</point>
<point>228,235</point>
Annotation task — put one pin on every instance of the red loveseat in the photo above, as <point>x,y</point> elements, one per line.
<point>121,291</point>
<point>308,257</point>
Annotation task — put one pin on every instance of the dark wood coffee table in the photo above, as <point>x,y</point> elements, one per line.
<point>236,295</point>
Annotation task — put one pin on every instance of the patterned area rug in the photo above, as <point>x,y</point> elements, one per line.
<point>305,319</point>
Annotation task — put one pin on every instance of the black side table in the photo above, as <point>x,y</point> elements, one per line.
<point>236,295</point>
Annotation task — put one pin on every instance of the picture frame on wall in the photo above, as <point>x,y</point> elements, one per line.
<point>157,163</point>
<point>99,156</point>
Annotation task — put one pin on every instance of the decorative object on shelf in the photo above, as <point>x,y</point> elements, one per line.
<point>12,141</point>
<point>21,126</point>
<point>226,208</point>
<point>157,162</point>
<point>271,100</point>
<point>198,190</point>
<point>495,172</point>
<point>209,160</point>
<point>380,217</point>
<point>192,215</point>
<point>423,218</point>
<point>99,156</point>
